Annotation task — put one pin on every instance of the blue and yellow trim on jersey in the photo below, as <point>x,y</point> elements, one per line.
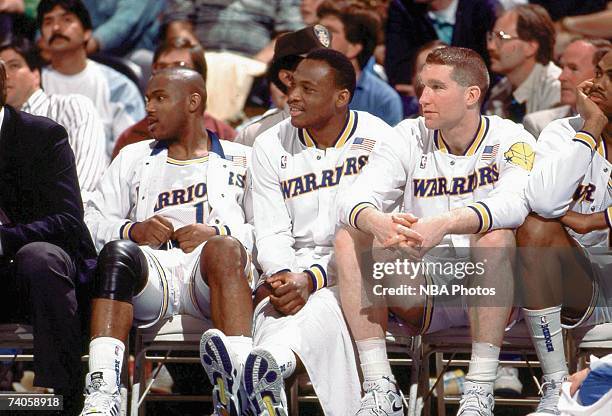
<point>484,216</point>
<point>602,149</point>
<point>192,292</point>
<point>428,310</point>
<point>350,125</point>
<point>125,232</point>
<point>164,281</point>
<point>472,148</point>
<point>177,162</point>
<point>318,276</point>
<point>222,229</point>
<point>357,209</point>
<point>586,139</point>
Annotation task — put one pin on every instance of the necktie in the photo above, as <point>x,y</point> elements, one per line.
<point>516,111</point>
<point>444,30</point>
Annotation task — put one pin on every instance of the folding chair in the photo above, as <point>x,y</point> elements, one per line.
<point>596,341</point>
<point>179,333</point>
<point>458,340</point>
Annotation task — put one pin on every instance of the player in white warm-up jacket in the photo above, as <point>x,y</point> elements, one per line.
<point>459,177</point>
<point>566,264</point>
<point>172,221</point>
<point>299,166</point>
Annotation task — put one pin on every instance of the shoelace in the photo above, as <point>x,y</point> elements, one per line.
<point>371,399</point>
<point>99,400</point>
<point>549,390</point>
<point>475,398</point>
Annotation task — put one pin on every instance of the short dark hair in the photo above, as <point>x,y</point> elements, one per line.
<point>196,52</point>
<point>26,48</point>
<point>468,66</point>
<point>361,25</point>
<point>602,47</point>
<point>344,73</point>
<point>534,23</point>
<point>75,7</point>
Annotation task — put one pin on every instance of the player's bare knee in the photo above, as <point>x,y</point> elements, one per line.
<point>343,240</point>
<point>538,232</point>
<point>219,254</point>
<point>121,272</point>
<point>348,238</point>
<point>495,239</point>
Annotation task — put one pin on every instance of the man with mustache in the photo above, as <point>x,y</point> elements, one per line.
<point>566,267</point>
<point>172,220</point>
<point>76,113</point>
<point>65,26</point>
<point>577,65</point>
<point>521,48</point>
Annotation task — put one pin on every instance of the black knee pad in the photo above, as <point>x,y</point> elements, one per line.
<point>121,272</point>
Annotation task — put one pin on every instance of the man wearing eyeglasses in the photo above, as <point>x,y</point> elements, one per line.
<point>521,48</point>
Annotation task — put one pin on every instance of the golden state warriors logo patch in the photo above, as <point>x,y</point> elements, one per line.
<point>322,34</point>
<point>520,154</point>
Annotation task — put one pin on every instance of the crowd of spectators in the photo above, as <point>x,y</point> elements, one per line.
<point>83,64</point>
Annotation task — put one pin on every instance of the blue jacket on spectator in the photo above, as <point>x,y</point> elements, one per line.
<point>375,96</point>
<point>121,26</point>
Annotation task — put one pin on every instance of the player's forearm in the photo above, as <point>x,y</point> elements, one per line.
<point>461,221</point>
<point>365,219</point>
<point>598,221</point>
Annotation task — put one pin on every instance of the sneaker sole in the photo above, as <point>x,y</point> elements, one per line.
<point>222,373</point>
<point>263,383</point>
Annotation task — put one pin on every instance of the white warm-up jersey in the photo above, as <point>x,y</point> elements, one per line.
<point>489,178</point>
<point>572,172</point>
<point>294,190</point>
<point>143,181</point>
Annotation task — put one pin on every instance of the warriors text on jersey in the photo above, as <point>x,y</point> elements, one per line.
<point>295,185</point>
<point>489,177</point>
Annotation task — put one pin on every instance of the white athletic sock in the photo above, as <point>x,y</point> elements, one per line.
<point>483,363</point>
<point>545,330</point>
<point>284,357</point>
<point>106,353</point>
<point>241,345</point>
<point>373,358</point>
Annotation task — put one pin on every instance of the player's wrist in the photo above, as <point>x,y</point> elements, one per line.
<point>594,125</point>
<point>309,279</point>
<point>366,221</point>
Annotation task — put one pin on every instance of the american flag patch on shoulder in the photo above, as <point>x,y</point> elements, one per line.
<point>361,143</point>
<point>238,160</point>
<point>489,152</point>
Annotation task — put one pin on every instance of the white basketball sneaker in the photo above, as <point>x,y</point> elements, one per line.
<point>224,372</point>
<point>551,392</point>
<point>381,398</point>
<point>264,385</point>
<point>102,397</point>
<point>477,399</point>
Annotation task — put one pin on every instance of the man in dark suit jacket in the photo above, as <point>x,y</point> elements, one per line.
<point>410,26</point>
<point>46,251</point>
